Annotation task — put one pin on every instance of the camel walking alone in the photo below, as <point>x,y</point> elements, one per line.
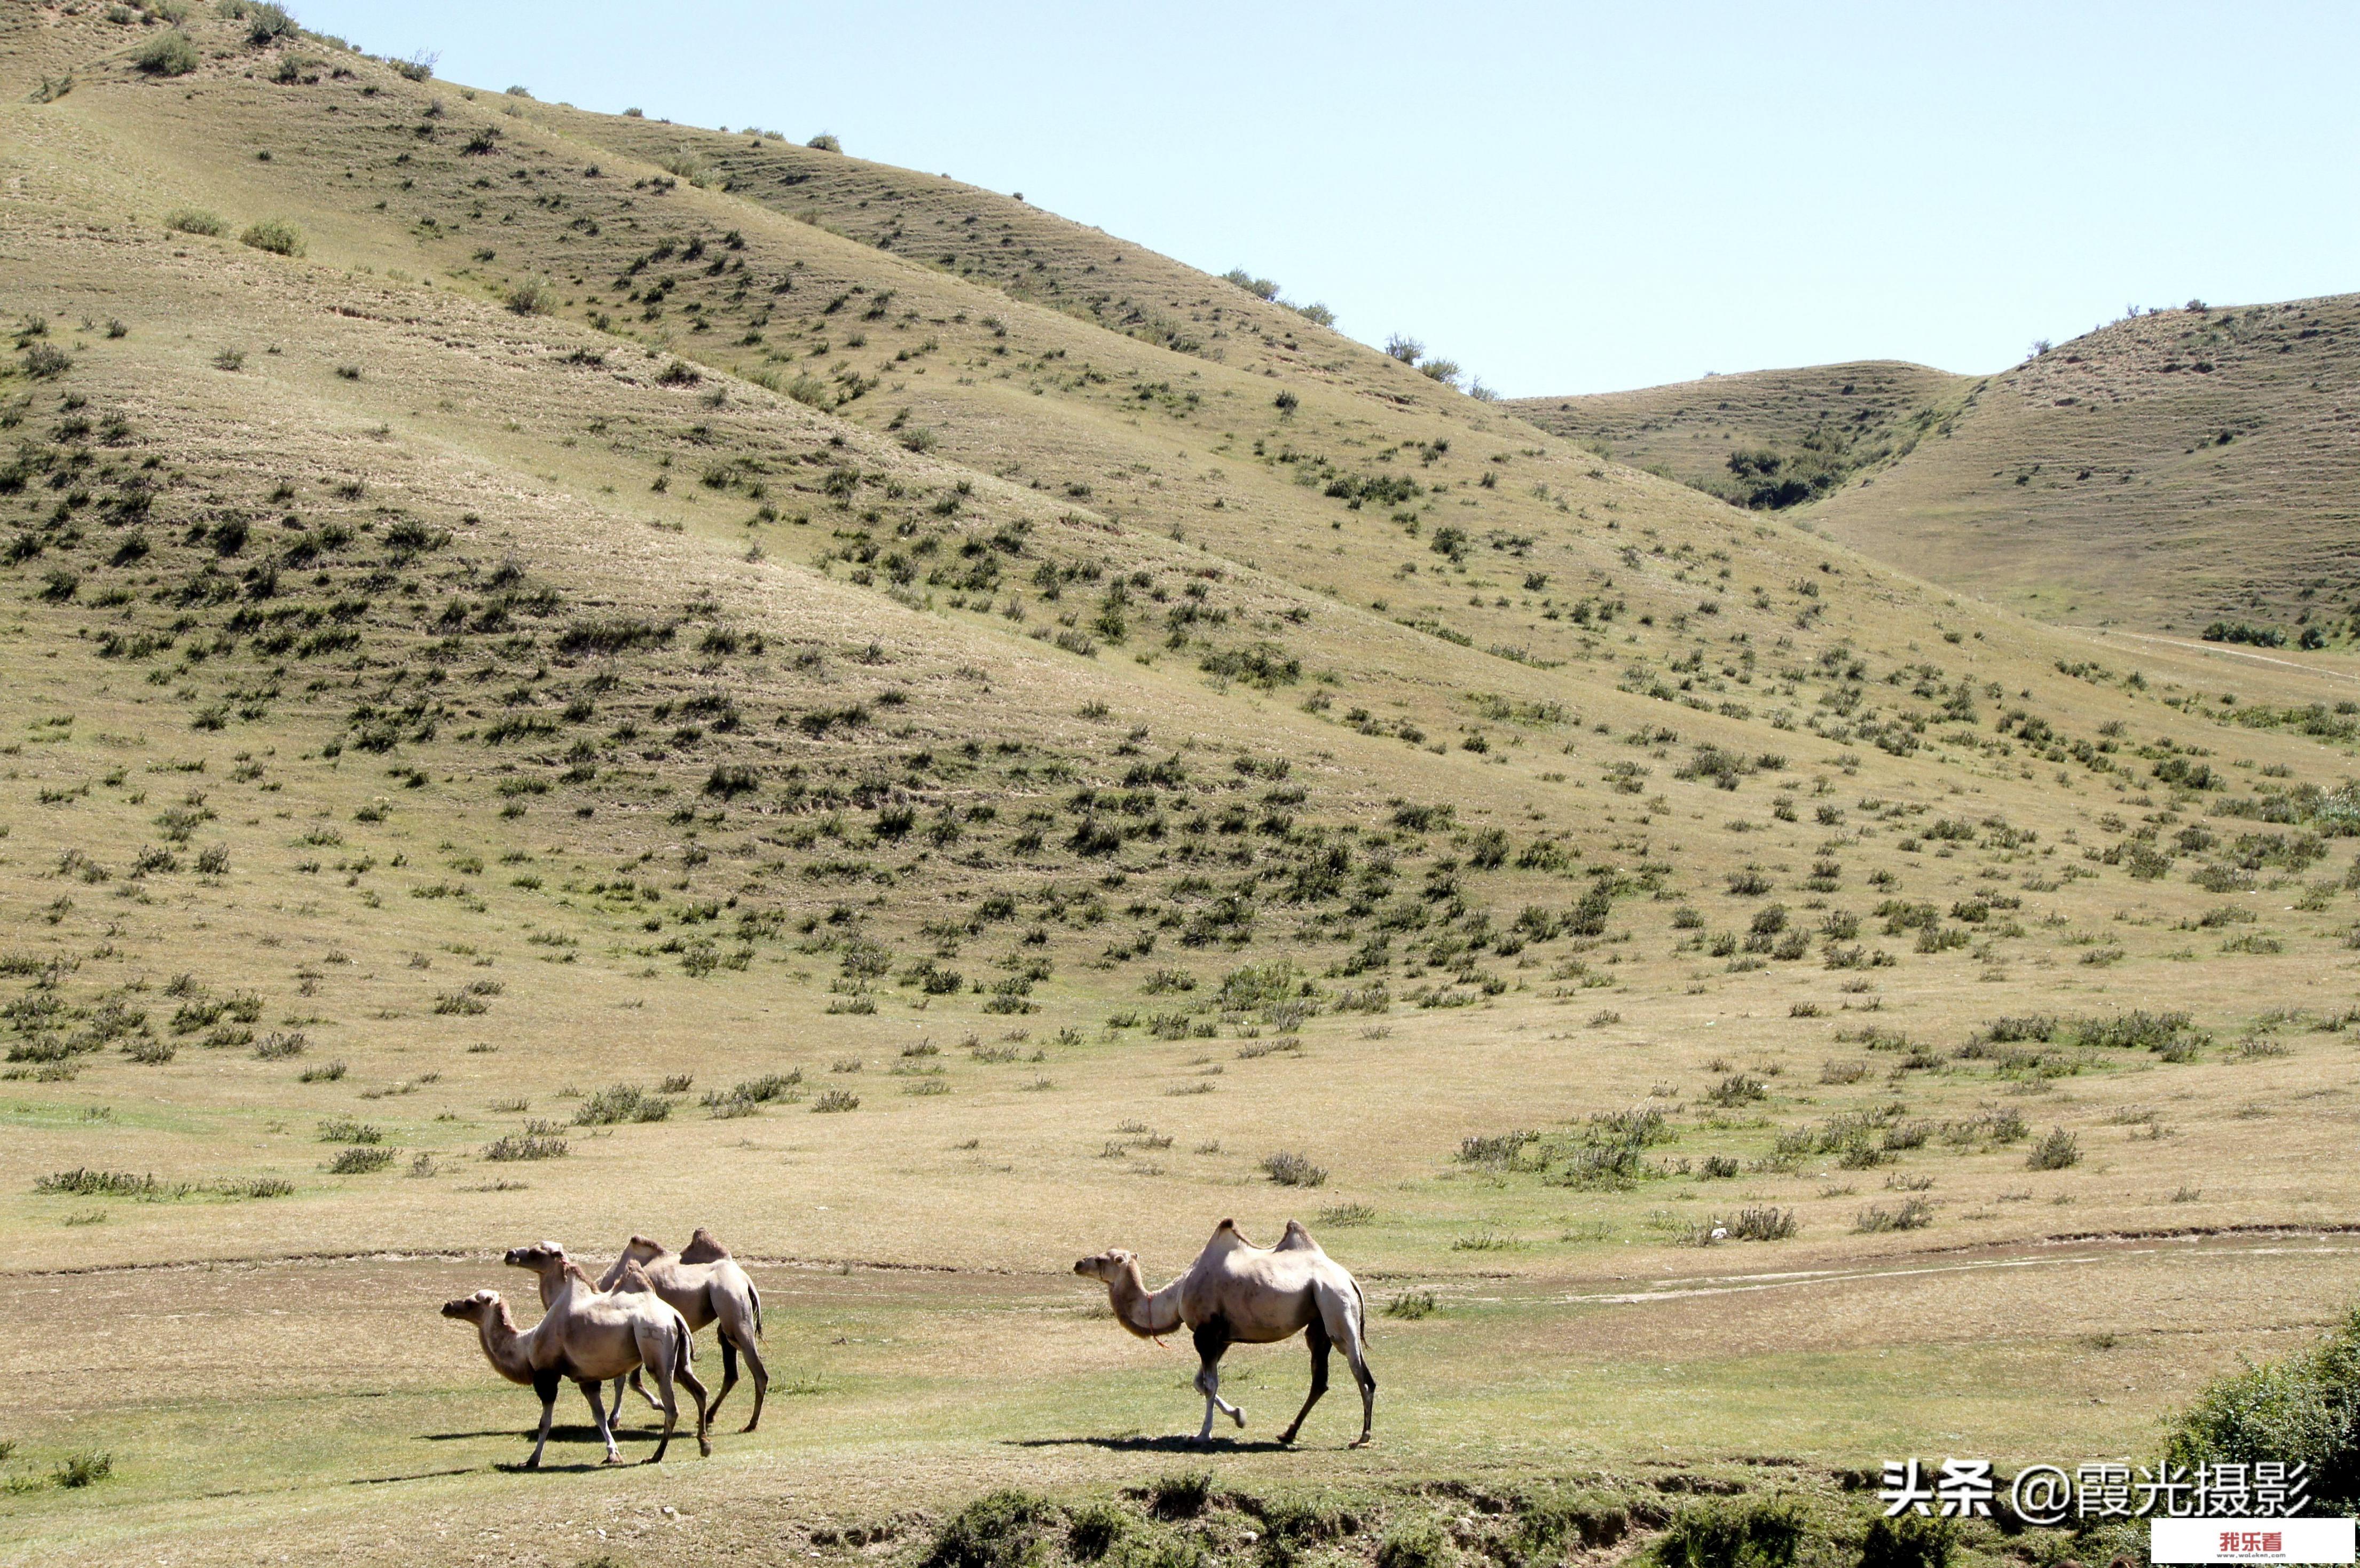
<point>588,1335</point>
<point>704,1285</point>
<point>1238,1293</point>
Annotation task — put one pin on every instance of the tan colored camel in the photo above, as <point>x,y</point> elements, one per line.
<point>706,1285</point>
<point>1237,1294</point>
<point>588,1335</point>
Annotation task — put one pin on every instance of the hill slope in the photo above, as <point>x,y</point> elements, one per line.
<point>2169,471</point>
<point>1767,439</point>
<point>2163,473</point>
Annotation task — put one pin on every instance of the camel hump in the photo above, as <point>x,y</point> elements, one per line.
<point>634,1278</point>
<point>1296,1239</point>
<point>703,1248</point>
<point>647,1244</point>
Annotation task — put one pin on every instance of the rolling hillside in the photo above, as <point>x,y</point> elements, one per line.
<point>567,675</point>
<point>2174,470</point>
<point>1767,440</point>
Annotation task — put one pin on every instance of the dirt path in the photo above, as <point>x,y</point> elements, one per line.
<point>2220,651</point>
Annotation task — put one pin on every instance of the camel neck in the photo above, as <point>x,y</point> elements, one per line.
<point>1144,1315</point>
<point>504,1347</point>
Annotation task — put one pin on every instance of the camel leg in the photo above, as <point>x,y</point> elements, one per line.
<point>642,1388</point>
<point>1318,1337</point>
<point>1213,1338</point>
<point>1356,1354</point>
<point>661,1361</point>
<point>695,1386</point>
<point>759,1373</point>
<point>591,1390</point>
<point>545,1385</point>
<point>729,1370</point>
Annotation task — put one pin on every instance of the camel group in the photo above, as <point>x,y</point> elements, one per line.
<point>644,1314</point>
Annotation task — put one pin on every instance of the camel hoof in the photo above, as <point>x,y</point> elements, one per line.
<point>704,1449</point>
<point>1363,1440</point>
<point>612,1459</point>
<point>747,1427</point>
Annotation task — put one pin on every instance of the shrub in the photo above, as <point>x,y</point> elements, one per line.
<point>1093,1529</point>
<point>1412,1305</point>
<point>533,297</point>
<point>1289,1169</point>
<point>83,1183</point>
<point>43,361</point>
<point>1765,1223</point>
<point>537,1141</point>
<point>836,1100</point>
<point>2055,1152</point>
<point>1416,1543</point>
<point>345,1129</point>
<point>1917,1213</point>
<point>170,55</point>
<point>360,1161</point>
<point>2303,1409</point>
<point>1734,1532</point>
<point>1737,1089</point>
<point>823,142</point>
<point>1000,1529</point>
<point>86,1467</point>
<point>276,235</point>
<point>1909,1541</point>
<point>621,1103</point>
<point>1179,1497</point>
<point>195,221</point>
<point>679,373</point>
<point>419,67</point>
<point>266,23</point>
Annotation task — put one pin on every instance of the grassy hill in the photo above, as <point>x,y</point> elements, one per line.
<point>2169,471</point>
<point>1767,440</point>
<point>567,675</point>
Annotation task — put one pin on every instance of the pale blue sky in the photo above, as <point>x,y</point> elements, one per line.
<point>1563,198</point>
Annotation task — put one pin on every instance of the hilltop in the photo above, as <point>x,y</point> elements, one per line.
<point>1767,440</point>
<point>2177,471</point>
<point>573,675</point>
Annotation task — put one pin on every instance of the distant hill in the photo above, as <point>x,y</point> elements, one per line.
<point>1767,439</point>
<point>2172,471</point>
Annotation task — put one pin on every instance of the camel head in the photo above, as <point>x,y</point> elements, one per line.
<point>1110,1266</point>
<point>541,1256</point>
<point>475,1308</point>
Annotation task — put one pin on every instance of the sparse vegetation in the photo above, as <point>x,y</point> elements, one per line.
<point>276,235</point>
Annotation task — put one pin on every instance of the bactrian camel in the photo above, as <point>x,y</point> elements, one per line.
<point>1238,1293</point>
<point>706,1285</point>
<point>588,1335</point>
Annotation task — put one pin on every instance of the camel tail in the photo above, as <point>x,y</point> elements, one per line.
<point>757,1296</point>
<point>1364,1303</point>
<point>685,1357</point>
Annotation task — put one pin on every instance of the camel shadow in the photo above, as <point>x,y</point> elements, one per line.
<point>557,1434</point>
<point>421,1475</point>
<point>1176,1444</point>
